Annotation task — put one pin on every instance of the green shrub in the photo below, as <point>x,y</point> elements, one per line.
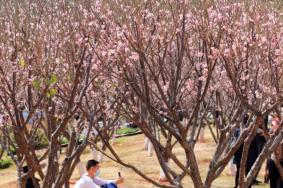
<point>64,140</point>
<point>5,163</point>
<point>12,150</point>
<point>127,131</point>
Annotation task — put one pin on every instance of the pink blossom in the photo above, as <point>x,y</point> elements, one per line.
<point>134,56</point>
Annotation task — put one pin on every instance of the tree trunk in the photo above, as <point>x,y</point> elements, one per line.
<point>19,176</point>
<point>162,176</point>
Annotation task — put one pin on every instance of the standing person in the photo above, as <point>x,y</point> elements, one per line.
<point>272,172</point>
<point>251,158</point>
<point>89,179</point>
<point>260,139</point>
<point>253,152</point>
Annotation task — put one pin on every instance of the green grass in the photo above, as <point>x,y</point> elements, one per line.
<point>5,163</point>
<point>63,141</point>
<point>127,131</point>
<point>121,140</point>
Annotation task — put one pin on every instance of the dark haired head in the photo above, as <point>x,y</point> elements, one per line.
<point>217,113</point>
<point>91,163</point>
<point>25,169</point>
<point>76,116</point>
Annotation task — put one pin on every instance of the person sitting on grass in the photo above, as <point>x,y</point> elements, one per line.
<point>89,179</point>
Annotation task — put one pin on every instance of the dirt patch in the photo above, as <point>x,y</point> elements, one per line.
<point>131,150</point>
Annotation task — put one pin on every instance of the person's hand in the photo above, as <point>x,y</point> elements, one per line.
<point>120,180</point>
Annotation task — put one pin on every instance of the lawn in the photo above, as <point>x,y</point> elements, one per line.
<point>131,150</point>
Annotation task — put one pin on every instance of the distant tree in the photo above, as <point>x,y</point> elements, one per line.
<point>46,66</point>
<point>150,62</point>
<point>219,58</point>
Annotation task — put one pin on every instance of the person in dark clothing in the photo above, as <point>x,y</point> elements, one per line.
<point>260,142</point>
<point>272,172</point>
<point>251,158</point>
<point>274,176</point>
<point>29,182</point>
<point>255,149</point>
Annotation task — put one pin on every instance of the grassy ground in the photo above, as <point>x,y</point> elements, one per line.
<point>131,150</point>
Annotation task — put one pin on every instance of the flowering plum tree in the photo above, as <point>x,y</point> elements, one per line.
<point>153,62</point>
<point>249,53</point>
<point>46,57</point>
<point>214,58</point>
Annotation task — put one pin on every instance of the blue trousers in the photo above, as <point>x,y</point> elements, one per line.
<point>109,185</point>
